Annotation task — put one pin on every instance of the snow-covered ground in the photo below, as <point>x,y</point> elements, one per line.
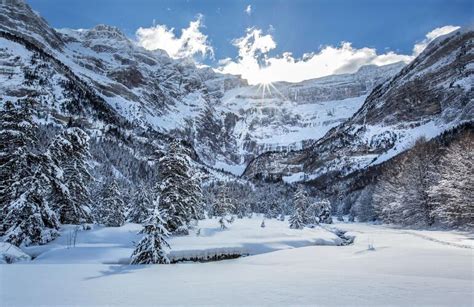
<point>114,245</point>
<point>406,267</point>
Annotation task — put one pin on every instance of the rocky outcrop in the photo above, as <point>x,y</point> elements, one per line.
<point>432,94</point>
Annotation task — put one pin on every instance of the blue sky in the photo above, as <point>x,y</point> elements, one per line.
<point>298,26</point>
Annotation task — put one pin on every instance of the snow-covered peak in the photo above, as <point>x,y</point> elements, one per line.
<point>105,32</point>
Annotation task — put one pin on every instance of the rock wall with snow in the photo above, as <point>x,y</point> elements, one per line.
<point>226,121</point>
<point>432,94</point>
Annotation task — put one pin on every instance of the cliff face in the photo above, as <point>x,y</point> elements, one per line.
<point>430,95</point>
<point>227,121</point>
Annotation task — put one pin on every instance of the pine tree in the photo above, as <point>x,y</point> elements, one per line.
<point>152,247</point>
<point>29,218</point>
<point>25,216</point>
<point>453,193</point>
<point>71,195</point>
<point>263,223</point>
<point>110,211</point>
<point>195,197</point>
<point>141,206</point>
<point>300,205</point>
<point>272,209</point>
<point>180,192</point>
<point>17,162</point>
<point>296,219</point>
<point>223,207</point>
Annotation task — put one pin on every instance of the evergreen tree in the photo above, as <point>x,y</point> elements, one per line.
<point>223,207</point>
<point>453,193</point>
<point>70,192</point>
<point>299,217</point>
<point>195,196</point>
<point>263,223</point>
<point>296,219</point>
<point>180,192</point>
<point>141,206</point>
<point>29,218</point>
<point>25,215</point>
<point>152,247</point>
<point>272,209</point>
<point>110,211</point>
<point>17,162</point>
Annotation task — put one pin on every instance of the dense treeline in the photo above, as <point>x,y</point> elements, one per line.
<point>430,185</point>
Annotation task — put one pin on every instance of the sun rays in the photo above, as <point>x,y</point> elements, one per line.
<point>269,89</point>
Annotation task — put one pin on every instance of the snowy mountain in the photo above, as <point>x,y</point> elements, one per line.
<point>227,121</point>
<point>101,77</point>
<point>432,94</point>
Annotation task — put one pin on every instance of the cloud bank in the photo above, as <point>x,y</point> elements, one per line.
<point>254,64</point>
<point>191,43</point>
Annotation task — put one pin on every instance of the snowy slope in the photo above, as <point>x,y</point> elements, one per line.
<point>114,245</point>
<point>429,96</point>
<point>289,116</point>
<point>226,121</point>
<point>403,269</point>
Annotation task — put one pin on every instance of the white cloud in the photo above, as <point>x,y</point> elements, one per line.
<point>255,64</point>
<point>192,41</point>
<point>418,48</point>
<point>248,10</point>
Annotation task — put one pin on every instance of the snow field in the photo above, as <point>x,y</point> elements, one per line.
<point>114,245</point>
<point>403,269</point>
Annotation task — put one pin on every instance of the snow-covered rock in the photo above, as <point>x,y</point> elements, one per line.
<point>11,254</point>
<point>227,121</point>
<point>429,96</point>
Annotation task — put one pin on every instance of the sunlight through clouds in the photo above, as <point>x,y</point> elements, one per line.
<point>254,64</point>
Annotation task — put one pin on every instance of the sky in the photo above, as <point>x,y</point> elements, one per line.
<point>266,41</point>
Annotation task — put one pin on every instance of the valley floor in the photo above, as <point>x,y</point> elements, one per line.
<point>405,267</point>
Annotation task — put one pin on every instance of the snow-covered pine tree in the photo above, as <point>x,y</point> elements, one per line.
<point>111,209</point>
<point>300,205</point>
<point>272,209</point>
<point>223,207</point>
<point>141,206</point>
<point>453,193</point>
<point>152,248</point>
<point>195,196</point>
<point>296,219</point>
<point>17,138</point>
<point>70,193</point>
<point>25,215</point>
<point>29,218</point>
<point>179,192</point>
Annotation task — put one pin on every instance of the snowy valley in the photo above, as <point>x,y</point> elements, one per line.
<point>132,177</point>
